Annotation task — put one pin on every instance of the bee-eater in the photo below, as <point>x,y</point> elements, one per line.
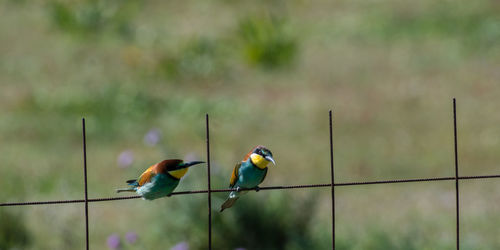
<point>249,173</point>
<point>160,179</point>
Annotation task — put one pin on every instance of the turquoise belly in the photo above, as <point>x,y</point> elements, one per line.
<point>160,186</point>
<point>250,176</point>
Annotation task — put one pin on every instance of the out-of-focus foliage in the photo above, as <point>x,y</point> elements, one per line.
<point>198,59</point>
<point>475,27</point>
<point>93,17</point>
<point>275,221</point>
<point>13,231</point>
<point>267,42</point>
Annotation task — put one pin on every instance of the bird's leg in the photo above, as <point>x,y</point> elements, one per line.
<point>257,189</point>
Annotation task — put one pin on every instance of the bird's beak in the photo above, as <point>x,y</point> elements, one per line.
<point>183,165</point>
<point>186,165</point>
<point>189,164</point>
<point>270,158</point>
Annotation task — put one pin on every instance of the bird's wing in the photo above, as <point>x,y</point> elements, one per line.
<point>161,167</point>
<point>234,175</point>
<point>147,175</point>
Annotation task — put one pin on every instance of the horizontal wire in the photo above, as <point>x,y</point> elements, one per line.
<point>261,188</point>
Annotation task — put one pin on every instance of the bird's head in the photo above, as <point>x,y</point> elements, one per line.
<point>261,156</point>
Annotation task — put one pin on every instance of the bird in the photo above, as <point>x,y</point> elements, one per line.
<point>160,179</point>
<point>249,173</point>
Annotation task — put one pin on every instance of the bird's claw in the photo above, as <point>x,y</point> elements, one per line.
<point>257,189</point>
<point>238,189</point>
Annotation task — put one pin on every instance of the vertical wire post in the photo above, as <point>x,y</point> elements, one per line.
<point>332,180</point>
<point>456,172</point>
<point>209,187</point>
<point>85,181</point>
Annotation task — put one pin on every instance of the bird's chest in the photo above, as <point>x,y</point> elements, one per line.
<point>250,176</point>
<point>161,185</point>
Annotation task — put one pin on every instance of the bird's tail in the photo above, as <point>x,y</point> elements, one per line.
<point>228,203</point>
<point>130,189</point>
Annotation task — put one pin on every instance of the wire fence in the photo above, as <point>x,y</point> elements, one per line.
<point>330,185</point>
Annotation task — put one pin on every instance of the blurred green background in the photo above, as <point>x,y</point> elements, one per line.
<point>144,73</point>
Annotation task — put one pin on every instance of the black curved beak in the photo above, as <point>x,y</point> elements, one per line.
<point>186,165</point>
<point>192,163</point>
<point>270,158</point>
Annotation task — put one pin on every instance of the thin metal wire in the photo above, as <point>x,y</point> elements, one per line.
<point>209,187</point>
<point>29,203</point>
<point>85,181</point>
<point>339,184</point>
<point>332,180</point>
<point>456,171</point>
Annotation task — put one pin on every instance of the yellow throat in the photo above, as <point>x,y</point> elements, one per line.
<point>178,173</point>
<point>259,161</point>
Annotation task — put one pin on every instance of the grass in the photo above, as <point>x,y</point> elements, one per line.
<point>267,73</point>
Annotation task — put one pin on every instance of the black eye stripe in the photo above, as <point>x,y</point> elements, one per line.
<point>263,152</point>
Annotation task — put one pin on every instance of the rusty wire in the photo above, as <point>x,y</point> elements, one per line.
<point>339,184</point>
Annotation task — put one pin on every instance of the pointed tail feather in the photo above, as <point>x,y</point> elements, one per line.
<point>228,203</point>
<point>125,190</point>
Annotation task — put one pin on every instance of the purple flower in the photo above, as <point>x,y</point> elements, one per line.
<point>131,237</point>
<point>181,246</point>
<point>113,241</point>
<point>152,137</point>
<point>125,159</point>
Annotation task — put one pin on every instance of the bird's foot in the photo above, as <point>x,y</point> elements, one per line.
<point>257,189</point>
<point>238,189</point>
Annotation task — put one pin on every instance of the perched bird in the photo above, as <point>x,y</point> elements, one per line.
<point>249,173</point>
<point>160,179</point>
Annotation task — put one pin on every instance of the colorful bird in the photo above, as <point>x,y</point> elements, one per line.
<point>160,179</point>
<point>249,173</point>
